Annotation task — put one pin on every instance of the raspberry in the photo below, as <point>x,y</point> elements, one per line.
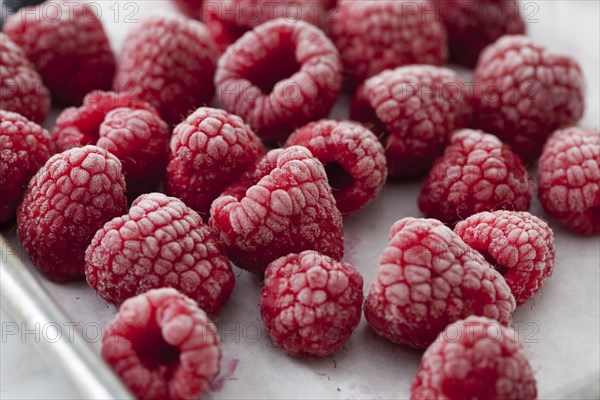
<point>475,358</point>
<point>519,245</point>
<point>281,205</point>
<point>373,36</point>
<point>66,202</point>
<point>524,92</point>
<point>311,303</point>
<point>569,179</point>
<point>209,150</point>
<point>476,173</point>
<point>67,44</point>
<point>24,148</point>
<point>353,158</point>
<point>280,76</point>
<point>428,277</point>
<point>414,109</point>
<point>162,346</point>
<point>160,243</point>
<point>21,87</point>
<point>168,61</point>
<point>191,8</point>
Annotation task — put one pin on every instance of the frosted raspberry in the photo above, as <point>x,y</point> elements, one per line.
<point>475,358</point>
<point>311,303</point>
<point>191,8</point>
<point>279,77</point>
<point>21,87</point>
<point>24,148</point>
<point>353,158</point>
<point>281,205</point>
<point>162,346</point>
<point>519,245</point>
<point>476,173</point>
<point>68,46</point>
<point>428,277</point>
<point>373,36</point>
<point>168,61</point>
<point>569,179</point>
<point>209,150</point>
<point>414,109</point>
<point>524,92</point>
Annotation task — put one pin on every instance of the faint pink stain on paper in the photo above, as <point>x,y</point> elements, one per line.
<point>217,384</point>
<point>351,246</point>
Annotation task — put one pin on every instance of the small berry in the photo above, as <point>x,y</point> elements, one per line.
<point>428,277</point>
<point>24,148</point>
<point>476,173</point>
<point>518,244</point>
<point>279,76</point>
<point>524,92</point>
<point>162,346</point>
<point>282,205</point>
<point>353,157</point>
<point>414,109</point>
<point>209,150</point>
<point>475,358</point>
<point>569,179</point>
<point>311,303</point>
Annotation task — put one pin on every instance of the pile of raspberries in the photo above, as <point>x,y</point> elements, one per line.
<point>150,195</point>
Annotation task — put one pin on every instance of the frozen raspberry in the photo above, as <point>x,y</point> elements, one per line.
<point>281,205</point>
<point>279,77</point>
<point>373,36</point>
<point>475,358</point>
<point>168,61</point>
<point>223,33</point>
<point>353,158</point>
<point>524,92</point>
<point>162,346</point>
<point>24,148</point>
<point>569,179</point>
<point>209,150</point>
<point>160,243</point>
<point>428,277</point>
<point>311,303</point>
<point>414,109</point>
<point>191,8</point>
<point>21,87</point>
<point>519,245</point>
<point>67,44</point>
<point>66,202</point>
<point>476,173</point>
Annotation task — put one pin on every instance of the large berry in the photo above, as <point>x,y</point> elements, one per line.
<point>569,179</point>
<point>66,202</point>
<point>476,173</point>
<point>282,205</point>
<point>428,277</point>
<point>162,346</point>
<point>524,92</point>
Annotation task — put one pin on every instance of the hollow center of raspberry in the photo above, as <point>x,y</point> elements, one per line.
<point>338,178</point>
<point>278,64</point>
<point>153,351</point>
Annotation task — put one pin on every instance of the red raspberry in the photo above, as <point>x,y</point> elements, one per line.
<point>353,158</point>
<point>24,148</point>
<point>66,42</point>
<point>66,202</point>
<point>476,173</point>
<point>569,179</point>
<point>168,61</point>
<point>428,277</point>
<point>373,36</point>
<point>209,150</point>
<point>519,245</point>
<point>524,92</point>
<point>415,109</point>
<point>21,87</point>
<point>223,33</point>
<point>191,8</point>
<point>281,205</point>
<point>280,76</point>
<point>311,303</point>
<point>160,243</point>
<point>475,358</point>
<point>162,346</point>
